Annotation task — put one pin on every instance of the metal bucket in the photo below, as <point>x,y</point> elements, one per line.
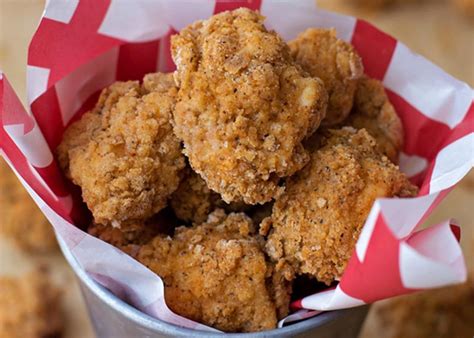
<point>113,318</point>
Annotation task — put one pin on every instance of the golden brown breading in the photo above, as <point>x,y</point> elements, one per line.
<point>123,153</point>
<point>29,307</point>
<point>216,274</point>
<point>193,200</point>
<point>244,105</point>
<point>374,112</point>
<point>333,60</point>
<point>20,219</point>
<point>316,222</point>
<point>129,237</point>
<point>280,286</point>
<point>125,235</point>
<point>442,313</point>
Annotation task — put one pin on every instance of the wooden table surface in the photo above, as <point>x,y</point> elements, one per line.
<point>434,29</point>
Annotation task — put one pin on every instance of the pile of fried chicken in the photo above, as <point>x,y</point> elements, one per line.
<point>269,155</point>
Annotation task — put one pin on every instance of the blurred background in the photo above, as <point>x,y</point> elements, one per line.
<point>441,30</point>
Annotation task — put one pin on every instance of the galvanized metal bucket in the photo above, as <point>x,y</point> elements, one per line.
<point>113,318</point>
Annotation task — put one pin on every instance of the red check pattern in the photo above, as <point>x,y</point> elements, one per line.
<point>375,47</point>
<point>60,48</point>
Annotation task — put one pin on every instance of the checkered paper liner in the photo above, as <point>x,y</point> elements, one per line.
<point>81,47</point>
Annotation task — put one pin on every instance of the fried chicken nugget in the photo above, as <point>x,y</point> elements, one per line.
<point>316,222</point>
<point>123,153</point>
<point>193,201</point>
<point>244,105</point>
<point>374,112</point>
<point>333,60</point>
<point>216,274</point>
<point>29,307</point>
<point>21,220</point>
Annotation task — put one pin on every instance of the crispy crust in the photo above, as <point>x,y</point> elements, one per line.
<point>374,112</point>
<point>216,274</point>
<point>244,105</point>
<point>123,153</point>
<point>193,201</point>
<point>127,237</point>
<point>316,222</point>
<point>335,62</point>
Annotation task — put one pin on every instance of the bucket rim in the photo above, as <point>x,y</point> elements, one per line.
<point>160,326</point>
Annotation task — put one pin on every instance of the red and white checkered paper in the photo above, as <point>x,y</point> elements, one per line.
<point>81,47</point>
